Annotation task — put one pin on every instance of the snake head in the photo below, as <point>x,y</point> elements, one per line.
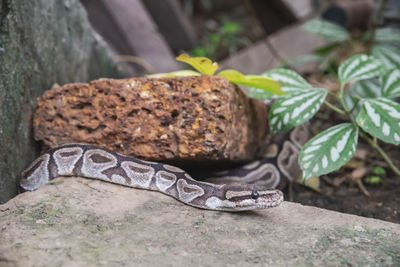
<point>239,198</point>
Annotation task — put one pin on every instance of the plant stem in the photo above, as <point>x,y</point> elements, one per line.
<point>338,110</point>
<point>341,99</point>
<point>374,144</point>
<point>332,94</point>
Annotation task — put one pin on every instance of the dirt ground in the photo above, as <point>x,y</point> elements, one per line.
<point>384,203</point>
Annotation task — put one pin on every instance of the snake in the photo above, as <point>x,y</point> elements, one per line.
<point>250,187</point>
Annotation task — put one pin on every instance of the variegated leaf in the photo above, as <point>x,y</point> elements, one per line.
<point>380,117</point>
<point>327,30</point>
<point>359,67</point>
<point>389,55</point>
<point>329,150</point>
<point>391,83</point>
<point>290,80</point>
<point>370,88</point>
<point>260,94</point>
<point>295,108</point>
<point>388,35</point>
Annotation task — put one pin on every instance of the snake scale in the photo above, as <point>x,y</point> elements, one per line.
<point>250,187</point>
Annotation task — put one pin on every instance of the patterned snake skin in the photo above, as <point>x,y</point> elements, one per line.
<point>247,188</point>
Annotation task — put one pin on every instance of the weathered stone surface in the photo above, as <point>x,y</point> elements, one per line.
<point>261,57</point>
<point>82,222</point>
<point>188,118</point>
<point>41,42</point>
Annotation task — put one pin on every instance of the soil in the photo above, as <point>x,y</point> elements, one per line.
<point>384,203</point>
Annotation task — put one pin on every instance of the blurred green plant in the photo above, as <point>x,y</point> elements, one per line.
<point>384,45</point>
<point>227,39</point>
<point>376,179</point>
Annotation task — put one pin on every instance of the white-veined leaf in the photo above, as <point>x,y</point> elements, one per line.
<point>380,117</point>
<point>370,88</point>
<point>295,108</point>
<point>329,150</point>
<point>389,55</point>
<point>327,30</point>
<point>359,67</point>
<point>388,35</point>
<point>391,83</point>
<point>290,80</point>
<point>260,94</point>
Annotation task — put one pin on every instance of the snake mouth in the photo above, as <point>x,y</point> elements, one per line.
<point>274,201</point>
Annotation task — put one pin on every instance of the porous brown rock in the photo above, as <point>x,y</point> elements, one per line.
<point>201,118</point>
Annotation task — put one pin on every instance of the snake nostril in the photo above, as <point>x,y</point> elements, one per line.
<point>254,195</point>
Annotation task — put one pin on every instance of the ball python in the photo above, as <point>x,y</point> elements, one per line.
<point>227,193</point>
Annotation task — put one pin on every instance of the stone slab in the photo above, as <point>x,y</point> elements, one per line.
<point>41,43</point>
<point>285,45</point>
<point>301,8</point>
<point>172,23</point>
<point>293,42</point>
<point>141,33</point>
<point>82,222</point>
<point>253,60</point>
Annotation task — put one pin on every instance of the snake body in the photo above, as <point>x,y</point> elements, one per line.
<point>252,186</point>
<point>97,163</point>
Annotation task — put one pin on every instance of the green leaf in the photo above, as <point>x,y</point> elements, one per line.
<point>180,73</point>
<point>379,171</point>
<point>329,150</point>
<point>389,55</point>
<point>374,180</point>
<point>202,64</point>
<point>391,83</point>
<point>359,67</point>
<point>389,35</point>
<point>294,109</point>
<point>326,49</point>
<point>260,94</point>
<point>257,81</point>
<point>231,28</point>
<point>380,117</point>
<point>370,88</point>
<point>290,80</point>
<point>327,30</point>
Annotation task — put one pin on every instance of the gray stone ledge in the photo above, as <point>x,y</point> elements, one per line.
<point>82,222</point>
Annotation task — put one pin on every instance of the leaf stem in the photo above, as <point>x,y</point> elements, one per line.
<point>374,144</point>
<point>338,110</point>
<point>341,99</point>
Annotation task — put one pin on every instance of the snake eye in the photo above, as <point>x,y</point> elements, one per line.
<point>254,195</point>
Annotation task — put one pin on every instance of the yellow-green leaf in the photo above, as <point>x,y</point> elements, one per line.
<point>202,64</point>
<point>256,81</point>
<point>180,73</point>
